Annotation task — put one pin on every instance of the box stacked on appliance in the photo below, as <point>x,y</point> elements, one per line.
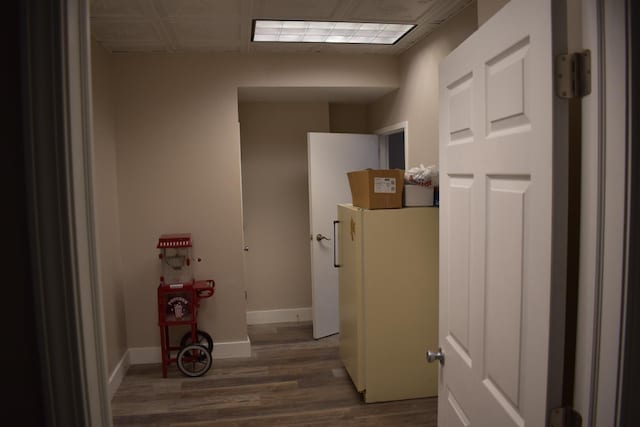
<point>421,186</point>
<point>377,188</point>
<point>394,188</point>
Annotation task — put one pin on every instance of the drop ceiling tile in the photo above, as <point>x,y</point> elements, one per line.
<point>116,8</point>
<point>198,8</point>
<point>278,47</point>
<point>190,30</point>
<point>135,47</point>
<point>409,11</point>
<point>296,9</point>
<point>443,10</point>
<point>128,31</point>
<point>211,47</point>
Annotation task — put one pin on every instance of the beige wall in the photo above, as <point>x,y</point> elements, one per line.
<point>488,8</point>
<point>349,118</point>
<point>417,99</point>
<point>275,201</point>
<point>178,171</point>
<point>106,206</point>
<point>178,148</point>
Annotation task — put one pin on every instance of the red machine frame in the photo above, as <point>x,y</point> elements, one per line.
<point>188,296</point>
<point>178,303</point>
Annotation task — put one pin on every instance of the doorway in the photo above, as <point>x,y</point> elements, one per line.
<point>393,142</point>
<point>273,135</point>
<point>275,203</point>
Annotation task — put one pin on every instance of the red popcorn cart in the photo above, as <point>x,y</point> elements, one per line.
<point>179,295</point>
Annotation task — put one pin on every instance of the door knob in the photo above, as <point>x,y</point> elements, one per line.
<point>432,357</point>
<point>320,237</point>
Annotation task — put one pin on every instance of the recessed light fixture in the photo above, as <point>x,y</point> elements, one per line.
<point>328,32</point>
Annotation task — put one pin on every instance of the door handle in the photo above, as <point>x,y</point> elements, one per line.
<point>433,356</point>
<point>320,237</point>
<point>335,261</point>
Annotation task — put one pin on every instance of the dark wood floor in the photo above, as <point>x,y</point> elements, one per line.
<point>290,380</point>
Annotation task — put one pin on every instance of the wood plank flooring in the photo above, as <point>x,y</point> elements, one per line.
<point>290,380</point>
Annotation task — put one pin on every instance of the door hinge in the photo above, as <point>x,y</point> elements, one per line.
<point>564,416</point>
<point>246,297</point>
<point>573,74</point>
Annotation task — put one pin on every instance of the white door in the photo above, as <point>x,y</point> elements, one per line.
<point>502,223</point>
<point>331,156</point>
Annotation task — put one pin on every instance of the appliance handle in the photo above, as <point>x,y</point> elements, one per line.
<point>335,263</point>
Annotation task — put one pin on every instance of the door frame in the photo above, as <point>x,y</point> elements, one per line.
<point>383,142</point>
<point>628,408</point>
<point>604,223</point>
<point>60,213</point>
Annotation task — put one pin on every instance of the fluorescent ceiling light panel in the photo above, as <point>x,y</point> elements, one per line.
<point>328,32</point>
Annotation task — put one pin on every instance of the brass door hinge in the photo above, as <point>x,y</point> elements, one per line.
<point>573,74</point>
<point>565,416</point>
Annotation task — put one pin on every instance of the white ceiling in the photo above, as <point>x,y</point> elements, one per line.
<point>225,25</point>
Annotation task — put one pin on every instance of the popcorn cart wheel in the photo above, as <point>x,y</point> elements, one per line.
<point>194,360</point>
<point>202,338</point>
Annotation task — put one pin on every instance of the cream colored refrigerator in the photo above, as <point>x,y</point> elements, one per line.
<point>388,269</point>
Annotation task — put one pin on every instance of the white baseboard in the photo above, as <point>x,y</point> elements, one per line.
<point>262,317</point>
<point>232,349</point>
<point>118,374</point>
<point>148,355</point>
<point>221,350</point>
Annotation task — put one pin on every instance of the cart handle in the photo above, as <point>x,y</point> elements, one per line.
<point>205,293</point>
<point>206,289</point>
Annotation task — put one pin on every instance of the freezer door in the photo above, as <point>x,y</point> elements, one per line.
<point>350,292</point>
<point>400,290</point>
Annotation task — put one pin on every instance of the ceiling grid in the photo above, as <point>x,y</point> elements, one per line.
<point>225,25</point>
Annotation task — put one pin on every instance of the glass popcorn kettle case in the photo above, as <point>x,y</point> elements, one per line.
<point>175,256</point>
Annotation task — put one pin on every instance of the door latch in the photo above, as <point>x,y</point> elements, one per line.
<point>433,356</point>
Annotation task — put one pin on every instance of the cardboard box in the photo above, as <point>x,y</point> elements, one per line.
<point>418,195</point>
<point>377,188</point>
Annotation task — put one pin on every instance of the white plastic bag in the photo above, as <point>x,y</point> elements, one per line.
<point>420,175</point>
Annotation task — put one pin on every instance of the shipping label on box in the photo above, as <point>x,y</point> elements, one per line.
<point>384,185</point>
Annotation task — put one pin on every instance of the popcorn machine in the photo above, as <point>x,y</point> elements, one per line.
<point>179,295</point>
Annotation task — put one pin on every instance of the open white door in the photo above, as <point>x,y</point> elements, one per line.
<point>331,156</point>
<point>502,222</point>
